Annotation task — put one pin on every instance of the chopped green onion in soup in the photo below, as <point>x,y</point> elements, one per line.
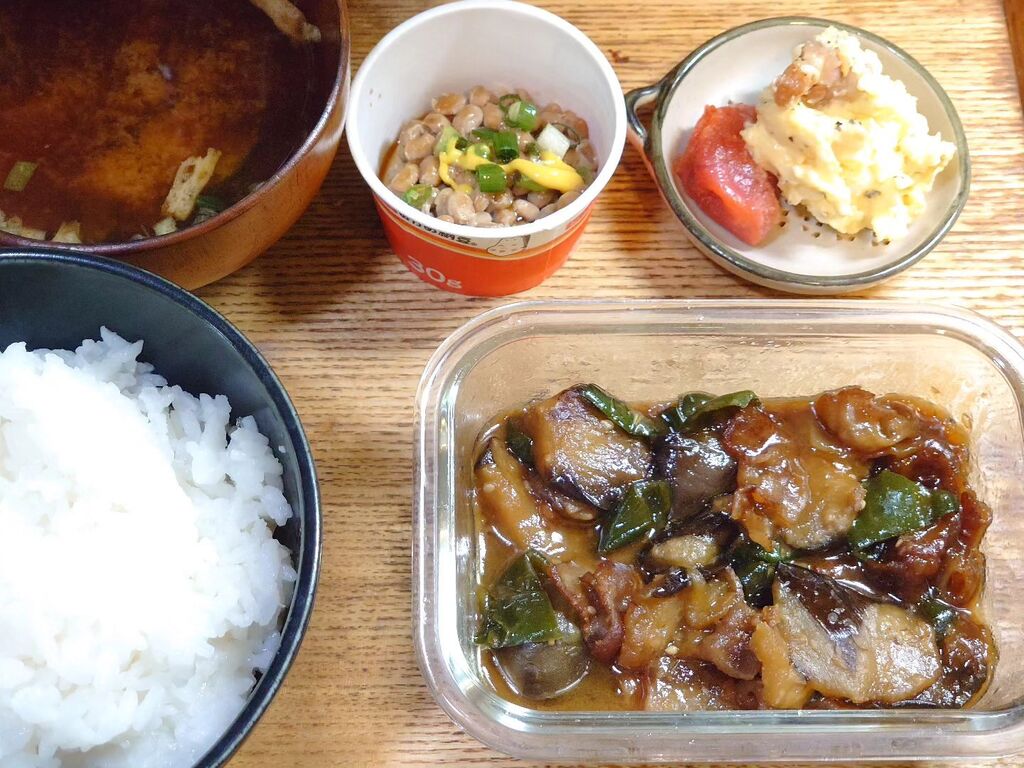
<point>20,175</point>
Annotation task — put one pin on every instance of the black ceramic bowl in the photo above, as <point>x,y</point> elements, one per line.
<point>56,300</point>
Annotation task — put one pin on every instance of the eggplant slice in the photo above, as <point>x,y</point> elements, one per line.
<point>518,516</point>
<point>700,541</point>
<point>699,468</point>
<point>847,646</point>
<point>581,453</point>
<point>545,670</point>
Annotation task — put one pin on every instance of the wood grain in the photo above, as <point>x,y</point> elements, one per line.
<point>1015,24</point>
<point>349,330</point>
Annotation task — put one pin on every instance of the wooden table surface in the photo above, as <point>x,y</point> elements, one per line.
<point>349,330</point>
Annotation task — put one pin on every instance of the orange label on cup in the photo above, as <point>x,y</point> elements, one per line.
<point>496,266</point>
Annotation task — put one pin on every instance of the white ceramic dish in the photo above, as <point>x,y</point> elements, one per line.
<point>804,257</point>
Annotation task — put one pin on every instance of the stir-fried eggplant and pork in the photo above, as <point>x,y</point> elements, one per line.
<point>731,553</point>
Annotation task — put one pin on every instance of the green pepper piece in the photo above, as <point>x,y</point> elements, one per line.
<point>756,578</point>
<point>944,503</point>
<point>692,407</point>
<point>644,507</point>
<point>740,399</point>
<point>755,567</point>
<point>519,443</point>
<point>686,406</point>
<point>516,608</point>
<point>938,613</point>
<point>624,417</point>
<point>895,505</point>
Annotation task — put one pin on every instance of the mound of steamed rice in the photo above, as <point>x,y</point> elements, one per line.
<point>140,583</point>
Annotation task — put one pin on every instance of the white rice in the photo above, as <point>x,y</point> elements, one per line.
<point>140,583</point>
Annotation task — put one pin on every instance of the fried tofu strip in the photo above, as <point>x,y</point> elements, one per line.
<point>165,226</point>
<point>289,19</point>
<point>192,177</point>
<point>12,225</point>
<point>69,232</point>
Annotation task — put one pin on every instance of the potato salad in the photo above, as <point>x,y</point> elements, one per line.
<point>845,140</point>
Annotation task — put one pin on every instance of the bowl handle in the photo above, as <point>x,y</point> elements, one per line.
<point>635,101</point>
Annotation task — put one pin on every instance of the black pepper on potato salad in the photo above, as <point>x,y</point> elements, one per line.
<point>491,161</point>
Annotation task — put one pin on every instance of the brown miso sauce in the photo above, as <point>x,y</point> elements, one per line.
<point>610,688</point>
<point>603,689</point>
<point>108,97</point>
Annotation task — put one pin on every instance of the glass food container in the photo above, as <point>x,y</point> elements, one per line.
<point>650,350</point>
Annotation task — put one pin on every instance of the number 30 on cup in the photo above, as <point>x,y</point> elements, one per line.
<point>431,273</point>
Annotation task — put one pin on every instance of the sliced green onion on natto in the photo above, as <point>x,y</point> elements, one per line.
<point>506,101</point>
<point>506,146</point>
<point>491,178</point>
<point>418,195</point>
<point>523,114</point>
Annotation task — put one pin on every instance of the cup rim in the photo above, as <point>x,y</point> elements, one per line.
<point>549,223</point>
<point>784,279</point>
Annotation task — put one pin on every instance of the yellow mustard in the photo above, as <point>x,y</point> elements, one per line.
<point>550,171</point>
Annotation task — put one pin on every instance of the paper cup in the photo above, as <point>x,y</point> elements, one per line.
<point>501,45</point>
